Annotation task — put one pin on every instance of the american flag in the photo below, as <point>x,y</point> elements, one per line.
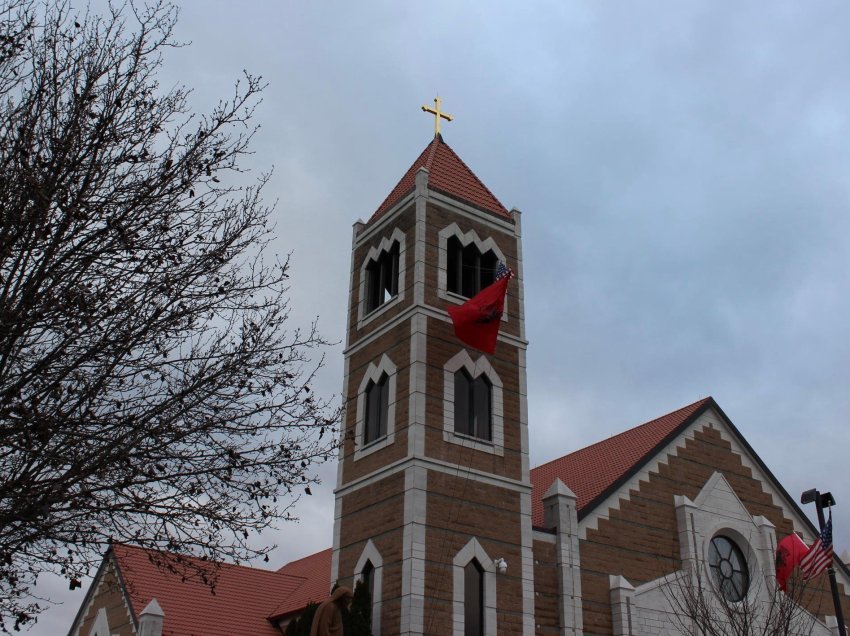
<point>503,271</point>
<point>819,555</point>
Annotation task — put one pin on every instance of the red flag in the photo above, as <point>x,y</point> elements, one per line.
<point>476,321</point>
<point>788,554</point>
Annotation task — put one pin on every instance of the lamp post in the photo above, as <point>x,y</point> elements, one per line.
<point>820,500</point>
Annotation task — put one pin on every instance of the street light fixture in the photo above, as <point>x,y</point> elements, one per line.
<point>821,499</point>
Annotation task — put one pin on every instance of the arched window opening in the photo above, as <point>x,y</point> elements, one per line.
<point>468,271</point>
<point>377,404</point>
<point>473,405</point>
<point>473,599</point>
<point>368,578</point>
<point>382,278</point>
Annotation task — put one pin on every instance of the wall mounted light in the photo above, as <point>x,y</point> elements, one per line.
<point>501,566</point>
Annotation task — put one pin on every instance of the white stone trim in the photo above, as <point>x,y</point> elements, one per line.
<point>413,551</point>
<point>519,272</point>
<point>436,465</point>
<point>373,374</point>
<point>460,208</point>
<point>717,510</point>
<point>466,238</point>
<point>337,533</point>
<point>709,419</point>
<point>343,431</point>
<point>473,549</point>
<point>368,230</point>
<point>101,624</point>
<point>545,537</point>
<point>650,609</point>
<point>527,565</point>
<point>431,312</point>
<point>462,360</point>
<point>417,385</point>
<point>370,553</point>
<point>386,244</point>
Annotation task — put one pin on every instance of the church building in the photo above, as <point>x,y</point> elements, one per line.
<point>437,509</point>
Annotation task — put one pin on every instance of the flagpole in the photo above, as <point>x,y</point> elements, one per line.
<point>820,499</point>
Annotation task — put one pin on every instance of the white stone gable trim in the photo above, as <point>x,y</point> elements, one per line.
<point>101,624</point>
<point>709,419</point>
<point>717,510</point>
<point>107,565</point>
<point>473,549</point>
<point>462,360</point>
<point>385,245</point>
<point>370,553</point>
<point>602,510</point>
<point>373,374</point>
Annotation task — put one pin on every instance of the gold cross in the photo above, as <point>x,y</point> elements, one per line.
<point>437,113</point>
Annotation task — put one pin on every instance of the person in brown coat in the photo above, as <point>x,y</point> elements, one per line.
<point>328,618</point>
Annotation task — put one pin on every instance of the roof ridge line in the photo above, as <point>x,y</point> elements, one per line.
<point>438,139</point>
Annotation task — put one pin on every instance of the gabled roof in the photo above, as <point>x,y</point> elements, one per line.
<point>315,570</point>
<point>597,470</point>
<point>244,597</point>
<point>447,174</point>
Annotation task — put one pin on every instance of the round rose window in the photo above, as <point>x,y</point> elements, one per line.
<point>729,568</point>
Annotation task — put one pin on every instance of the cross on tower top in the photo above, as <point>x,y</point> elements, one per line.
<point>437,113</point>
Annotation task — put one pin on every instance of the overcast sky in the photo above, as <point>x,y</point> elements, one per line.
<point>683,171</point>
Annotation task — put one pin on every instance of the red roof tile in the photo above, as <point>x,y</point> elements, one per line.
<point>316,572</point>
<point>449,175</point>
<point>244,597</point>
<point>591,471</point>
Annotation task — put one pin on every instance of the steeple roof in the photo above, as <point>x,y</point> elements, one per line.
<point>449,175</point>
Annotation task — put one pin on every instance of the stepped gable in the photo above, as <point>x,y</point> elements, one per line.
<point>315,570</point>
<point>244,596</point>
<point>595,471</point>
<point>449,175</point>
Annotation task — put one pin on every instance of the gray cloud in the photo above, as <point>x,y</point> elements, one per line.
<point>683,173</point>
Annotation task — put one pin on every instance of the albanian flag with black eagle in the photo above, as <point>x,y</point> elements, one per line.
<point>476,321</point>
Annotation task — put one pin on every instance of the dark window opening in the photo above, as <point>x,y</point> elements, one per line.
<point>468,271</point>
<point>473,599</point>
<point>377,404</point>
<point>473,405</point>
<point>382,278</point>
<point>368,578</point>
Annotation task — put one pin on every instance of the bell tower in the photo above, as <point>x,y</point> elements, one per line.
<point>433,499</point>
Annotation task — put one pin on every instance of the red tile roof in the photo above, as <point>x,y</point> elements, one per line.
<point>449,175</point>
<point>244,597</point>
<point>316,572</point>
<point>591,471</point>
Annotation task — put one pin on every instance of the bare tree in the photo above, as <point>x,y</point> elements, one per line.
<point>150,389</point>
<point>705,607</point>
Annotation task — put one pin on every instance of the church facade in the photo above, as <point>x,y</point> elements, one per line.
<point>443,516</point>
<point>437,509</point>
